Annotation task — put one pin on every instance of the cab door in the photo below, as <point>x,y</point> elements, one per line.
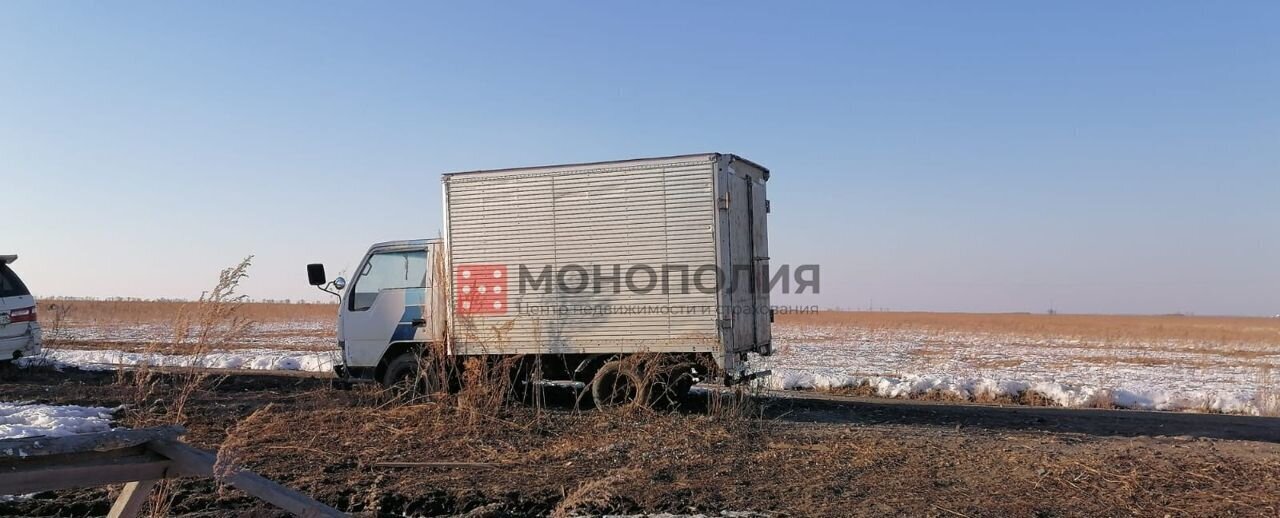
<point>386,303</point>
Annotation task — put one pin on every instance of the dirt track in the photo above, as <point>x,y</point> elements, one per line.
<point>822,408</point>
<point>807,456</point>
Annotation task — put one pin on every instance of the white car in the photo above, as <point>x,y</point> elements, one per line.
<point>19,331</point>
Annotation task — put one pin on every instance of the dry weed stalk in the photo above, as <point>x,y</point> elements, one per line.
<point>201,327</point>
<point>740,403</point>
<point>594,495</point>
<point>160,501</point>
<point>55,329</point>
<point>1267,397</point>
<point>481,383</point>
<point>235,446</point>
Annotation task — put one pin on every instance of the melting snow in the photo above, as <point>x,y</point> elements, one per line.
<point>248,359</point>
<point>903,364</point>
<point>19,420</point>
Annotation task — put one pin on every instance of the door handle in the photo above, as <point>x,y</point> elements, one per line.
<point>419,322</point>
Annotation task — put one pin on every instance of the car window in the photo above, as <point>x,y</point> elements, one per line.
<point>10,284</point>
<point>388,271</point>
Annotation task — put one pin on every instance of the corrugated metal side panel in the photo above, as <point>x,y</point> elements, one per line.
<point>557,221</point>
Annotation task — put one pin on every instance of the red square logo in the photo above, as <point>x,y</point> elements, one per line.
<point>480,289</point>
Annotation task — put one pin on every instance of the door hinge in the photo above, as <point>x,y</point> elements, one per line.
<point>724,202</point>
<point>726,323</point>
<point>767,207</point>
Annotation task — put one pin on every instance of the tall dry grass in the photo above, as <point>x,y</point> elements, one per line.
<point>1267,397</point>
<point>157,396</point>
<point>211,322</point>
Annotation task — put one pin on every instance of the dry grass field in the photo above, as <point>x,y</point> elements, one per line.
<point>88,311</point>
<point>1102,329</point>
<point>1209,330</point>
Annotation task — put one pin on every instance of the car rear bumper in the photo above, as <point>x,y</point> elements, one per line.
<point>26,344</point>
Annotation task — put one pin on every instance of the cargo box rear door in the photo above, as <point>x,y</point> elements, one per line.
<point>759,211</point>
<point>745,311</point>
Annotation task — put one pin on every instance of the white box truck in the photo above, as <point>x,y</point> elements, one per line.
<point>578,267</point>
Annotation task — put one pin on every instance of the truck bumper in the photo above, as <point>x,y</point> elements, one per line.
<point>348,376</point>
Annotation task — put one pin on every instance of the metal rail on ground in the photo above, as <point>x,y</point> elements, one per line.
<point>136,458</point>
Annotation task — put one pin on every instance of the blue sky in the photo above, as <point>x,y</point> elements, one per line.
<point>986,156</point>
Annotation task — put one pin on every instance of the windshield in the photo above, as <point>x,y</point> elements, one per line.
<point>388,271</point>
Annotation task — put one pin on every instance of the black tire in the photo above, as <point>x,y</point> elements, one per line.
<point>672,387</point>
<point>616,385</point>
<point>403,376</point>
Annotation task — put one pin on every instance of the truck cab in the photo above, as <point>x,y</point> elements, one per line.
<point>386,310</point>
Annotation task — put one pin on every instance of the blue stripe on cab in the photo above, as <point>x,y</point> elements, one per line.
<point>415,296</point>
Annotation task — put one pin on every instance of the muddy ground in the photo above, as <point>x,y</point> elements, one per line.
<point>782,456</point>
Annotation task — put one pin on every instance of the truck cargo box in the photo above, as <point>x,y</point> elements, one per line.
<point>649,255</point>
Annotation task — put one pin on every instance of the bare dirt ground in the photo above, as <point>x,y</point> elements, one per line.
<point>779,454</point>
<point>797,456</point>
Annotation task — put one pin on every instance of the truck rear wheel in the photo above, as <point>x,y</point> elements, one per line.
<point>671,387</point>
<point>616,385</point>
<point>405,375</point>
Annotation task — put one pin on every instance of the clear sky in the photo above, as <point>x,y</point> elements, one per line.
<point>958,156</point>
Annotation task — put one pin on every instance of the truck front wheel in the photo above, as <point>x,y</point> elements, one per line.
<point>406,374</point>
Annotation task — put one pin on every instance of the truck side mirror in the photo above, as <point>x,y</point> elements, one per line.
<point>315,274</point>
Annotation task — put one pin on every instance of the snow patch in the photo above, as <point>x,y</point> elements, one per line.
<point>980,389</point>
<point>1158,375</point>
<point>244,359</point>
<point>19,420</point>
